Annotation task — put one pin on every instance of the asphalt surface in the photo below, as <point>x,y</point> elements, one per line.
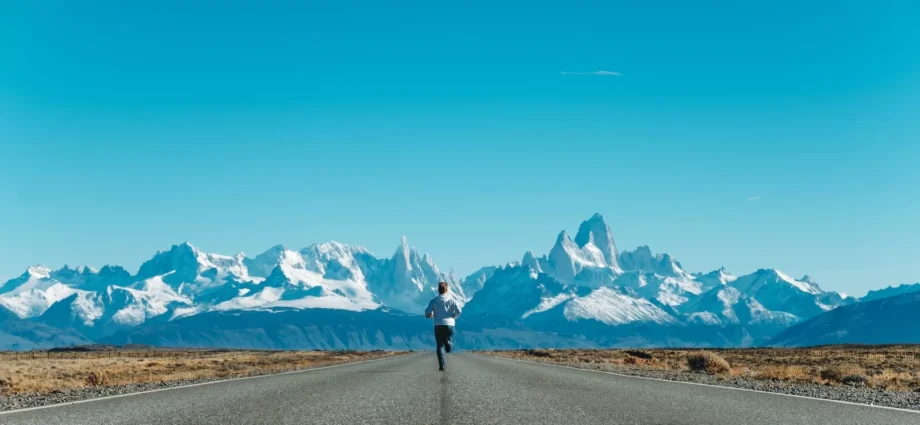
<point>474,390</point>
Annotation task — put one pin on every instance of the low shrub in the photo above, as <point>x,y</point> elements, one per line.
<point>538,353</point>
<point>97,379</point>
<point>836,373</point>
<point>639,354</point>
<point>854,380</point>
<point>709,362</point>
<point>833,374</point>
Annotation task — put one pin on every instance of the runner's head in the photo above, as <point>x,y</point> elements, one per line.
<point>442,287</point>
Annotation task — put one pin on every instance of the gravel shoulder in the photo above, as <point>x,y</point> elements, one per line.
<point>31,399</point>
<point>853,394</point>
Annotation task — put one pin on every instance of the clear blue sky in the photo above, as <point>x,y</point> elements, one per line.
<point>775,135</point>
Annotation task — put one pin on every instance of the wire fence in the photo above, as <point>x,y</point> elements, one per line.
<point>912,353</point>
<point>900,354</point>
<point>149,353</point>
<point>57,355</point>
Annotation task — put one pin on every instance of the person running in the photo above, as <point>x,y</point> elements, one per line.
<point>444,311</point>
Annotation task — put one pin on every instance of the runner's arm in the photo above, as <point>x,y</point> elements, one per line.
<point>429,312</point>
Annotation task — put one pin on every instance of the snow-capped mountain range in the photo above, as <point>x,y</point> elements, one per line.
<point>587,279</point>
<point>582,287</point>
<point>184,281</point>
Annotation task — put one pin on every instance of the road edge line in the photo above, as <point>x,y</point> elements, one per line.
<point>199,384</point>
<point>899,409</point>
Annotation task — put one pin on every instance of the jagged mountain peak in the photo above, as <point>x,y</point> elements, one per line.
<point>595,231</point>
<point>409,258</point>
<point>774,276</point>
<point>76,269</point>
<point>179,256</point>
<point>721,276</point>
<point>890,291</point>
<point>186,245</point>
<point>404,252</point>
<point>332,250</point>
<point>643,259</point>
<point>110,269</point>
<point>531,261</point>
<point>261,265</point>
<point>335,247</point>
<point>274,250</point>
<point>563,238</point>
<point>278,276</point>
<point>590,259</point>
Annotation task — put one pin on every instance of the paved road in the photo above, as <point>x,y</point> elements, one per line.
<point>475,390</point>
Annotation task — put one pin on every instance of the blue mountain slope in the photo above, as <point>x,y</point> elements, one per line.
<point>20,334</point>
<point>892,320</point>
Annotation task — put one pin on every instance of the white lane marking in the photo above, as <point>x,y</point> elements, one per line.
<point>90,400</point>
<point>708,385</point>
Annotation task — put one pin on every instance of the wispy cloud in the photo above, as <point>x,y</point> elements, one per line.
<point>600,73</point>
<point>752,198</point>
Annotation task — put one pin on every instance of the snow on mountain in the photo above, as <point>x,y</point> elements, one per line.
<point>765,302</point>
<point>148,298</point>
<point>615,308</point>
<point>668,290</point>
<point>408,280</point>
<point>586,264</point>
<point>588,260</point>
<point>474,282</point>
<point>777,291</point>
<point>583,283</point>
<point>33,292</point>
<point>518,292</point>
<point>521,292</point>
<point>99,313</point>
<point>715,278</point>
<point>728,305</point>
<point>335,275</point>
<point>583,263</point>
<point>184,281</point>
<point>578,281</point>
<point>319,276</point>
<point>263,264</point>
<point>336,261</point>
<point>531,261</point>
<point>29,279</point>
<point>594,233</point>
<point>189,270</point>
<point>642,259</point>
<point>549,302</point>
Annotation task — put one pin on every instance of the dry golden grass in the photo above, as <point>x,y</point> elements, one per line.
<point>57,371</point>
<point>892,368</point>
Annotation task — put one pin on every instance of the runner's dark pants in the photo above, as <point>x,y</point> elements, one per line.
<point>443,335</point>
